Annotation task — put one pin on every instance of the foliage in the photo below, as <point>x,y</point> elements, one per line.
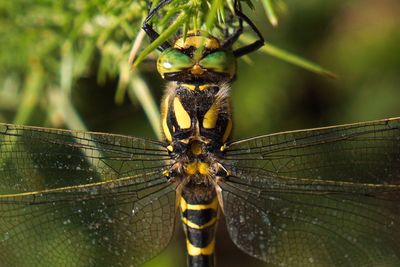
<point>53,44</point>
<point>49,47</point>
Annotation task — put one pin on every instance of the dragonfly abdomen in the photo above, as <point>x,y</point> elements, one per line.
<point>199,217</point>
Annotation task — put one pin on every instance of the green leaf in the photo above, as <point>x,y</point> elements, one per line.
<point>180,20</point>
<point>293,59</point>
<point>270,11</point>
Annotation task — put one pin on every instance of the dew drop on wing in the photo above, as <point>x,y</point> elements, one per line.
<point>265,219</point>
<point>241,219</point>
<point>93,191</point>
<point>271,250</point>
<point>251,236</point>
<point>5,236</point>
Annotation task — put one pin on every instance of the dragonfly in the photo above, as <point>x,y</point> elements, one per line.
<point>317,197</point>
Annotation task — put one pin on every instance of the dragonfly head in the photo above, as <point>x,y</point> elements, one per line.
<point>197,57</point>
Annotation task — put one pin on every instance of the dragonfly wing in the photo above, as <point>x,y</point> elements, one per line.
<point>119,223</point>
<point>34,158</point>
<point>322,197</point>
<point>82,199</point>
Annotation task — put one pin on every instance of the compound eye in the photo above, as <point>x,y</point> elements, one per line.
<point>220,61</point>
<point>172,60</point>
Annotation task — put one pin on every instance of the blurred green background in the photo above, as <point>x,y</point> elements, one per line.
<point>62,62</point>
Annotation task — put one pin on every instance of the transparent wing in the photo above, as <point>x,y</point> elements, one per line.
<point>82,199</point>
<point>321,197</point>
<point>35,158</point>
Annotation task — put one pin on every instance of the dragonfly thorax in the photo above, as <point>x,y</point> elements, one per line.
<point>196,112</point>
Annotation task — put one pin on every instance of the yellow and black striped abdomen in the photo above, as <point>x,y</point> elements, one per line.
<point>199,213</point>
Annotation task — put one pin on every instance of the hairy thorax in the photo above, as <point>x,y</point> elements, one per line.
<point>196,122</point>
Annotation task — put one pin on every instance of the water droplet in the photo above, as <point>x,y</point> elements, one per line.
<point>6,236</point>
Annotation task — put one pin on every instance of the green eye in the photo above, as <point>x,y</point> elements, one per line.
<point>220,61</point>
<point>173,60</point>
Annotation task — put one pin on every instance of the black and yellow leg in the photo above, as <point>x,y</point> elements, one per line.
<point>200,223</point>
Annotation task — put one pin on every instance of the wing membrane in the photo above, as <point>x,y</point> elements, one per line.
<point>322,197</point>
<point>33,159</point>
<point>82,199</point>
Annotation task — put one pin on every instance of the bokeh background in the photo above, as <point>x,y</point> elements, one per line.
<point>51,75</point>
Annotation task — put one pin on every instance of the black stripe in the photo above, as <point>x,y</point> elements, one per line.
<point>199,217</point>
<point>200,238</point>
<point>194,197</point>
<point>201,261</point>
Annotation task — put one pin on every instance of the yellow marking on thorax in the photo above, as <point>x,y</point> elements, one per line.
<point>182,117</point>
<point>211,116</point>
<point>197,167</point>
<point>184,205</point>
<point>197,41</point>
<point>223,147</point>
<point>196,148</point>
<point>165,173</point>
<point>189,86</point>
<point>191,168</point>
<point>203,87</point>
<point>199,227</point>
<point>203,168</point>
<point>195,251</point>
<point>164,112</point>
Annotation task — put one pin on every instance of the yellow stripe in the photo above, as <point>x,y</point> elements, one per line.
<point>184,205</point>
<point>195,251</point>
<point>197,167</point>
<point>164,112</point>
<point>189,86</point>
<point>182,117</point>
<point>191,168</point>
<point>197,41</point>
<point>211,116</point>
<point>203,168</point>
<point>204,87</point>
<point>196,226</point>
<point>39,194</point>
